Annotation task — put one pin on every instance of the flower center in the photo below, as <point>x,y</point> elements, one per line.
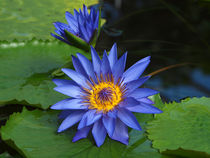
<point>104,96</point>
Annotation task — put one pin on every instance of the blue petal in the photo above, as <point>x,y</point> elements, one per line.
<point>61,82</point>
<point>129,101</point>
<point>81,19</point>
<point>135,71</point>
<point>131,86</point>
<point>89,118</point>
<point>113,55</point>
<point>121,132</point>
<point>105,66</point>
<point>84,33</point>
<point>64,114</point>
<point>71,120</point>
<point>61,27</point>
<point>78,66</point>
<point>96,61</point>
<point>109,124</point>
<point>72,22</point>
<point>87,65</point>
<point>92,118</point>
<point>144,108</point>
<point>70,90</point>
<point>58,32</point>
<point>112,113</point>
<point>146,100</point>
<point>76,14</point>
<point>128,118</point>
<point>67,104</point>
<point>83,122</point>
<point>77,77</point>
<point>59,38</point>
<point>96,20</point>
<point>99,133</point>
<point>90,29</point>
<point>142,93</point>
<point>92,14</point>
<point>85,11</point>
<point>83,133</point>
<point>142,60</point>
<point>119,67</point>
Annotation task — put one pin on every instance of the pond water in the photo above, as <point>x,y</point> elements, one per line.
<point>172,32</point>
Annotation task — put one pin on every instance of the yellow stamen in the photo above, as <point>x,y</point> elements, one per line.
<point>104,95</point>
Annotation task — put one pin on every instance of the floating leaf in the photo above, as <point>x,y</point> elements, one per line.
<point>5,155</point>
<point>28,19</point>
<point>157,100</point>
<point>34,135</point>
<point>26,72</point>
<point>183,125</point>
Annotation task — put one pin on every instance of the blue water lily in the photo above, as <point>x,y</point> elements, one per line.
<point>103,96</point>
<point>82,24</point>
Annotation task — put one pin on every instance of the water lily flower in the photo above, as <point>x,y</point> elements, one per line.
<point>81,24</point>
<point>103,96</point>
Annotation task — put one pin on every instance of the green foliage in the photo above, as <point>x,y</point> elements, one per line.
<point>157,100</point>
<point>28,19</point>
<point>26,72</point>
<point>33,134</point>
<point>183,125</point>
<point>77,41</point>
<point>5,155</point>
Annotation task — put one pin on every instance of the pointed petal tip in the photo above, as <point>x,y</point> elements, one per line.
<point>75,139</point>
<point>92,49</point>
<point>67,12</point>
<point>98,145</point>
<point>80,126</point>
<point>60,130</point>
<point>54,35</point>
<point>139,128</point>
<point>126,142</point>
<point>99,133</point>
<point>78,54</point>
<point>52,107</point>
<point>158,111</point>
<point>64,69</point>
<point>54,81</point>
<point>55,88</point>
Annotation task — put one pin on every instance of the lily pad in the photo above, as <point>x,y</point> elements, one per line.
<point>28,19</point>
<point>26,72</point>
<point>34,135</point>
<point>184,125</point>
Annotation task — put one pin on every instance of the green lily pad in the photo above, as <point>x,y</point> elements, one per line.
<point>26,72</point>
<point>28,19</point>
<point>184,125</point>
<point>34,135</point>
<point>5,155</point>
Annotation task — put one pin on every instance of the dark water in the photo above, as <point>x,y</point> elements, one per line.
<point>171,32</point>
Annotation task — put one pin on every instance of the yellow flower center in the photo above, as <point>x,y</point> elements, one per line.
<point>105,95</point>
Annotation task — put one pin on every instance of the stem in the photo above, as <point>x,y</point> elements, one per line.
<point>166,68</point>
